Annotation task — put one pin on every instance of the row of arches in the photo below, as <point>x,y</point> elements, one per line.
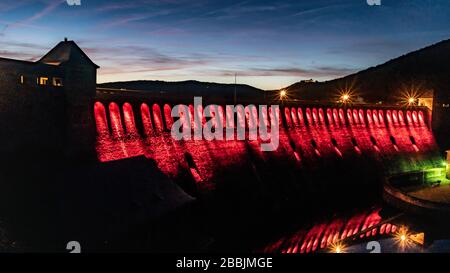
<point>338,116</point>
<point>120,120</point>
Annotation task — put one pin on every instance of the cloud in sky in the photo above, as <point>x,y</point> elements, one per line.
<point>269,43</point>
<point>27,21</point>
<point>313,72</point>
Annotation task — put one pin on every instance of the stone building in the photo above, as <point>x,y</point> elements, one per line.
<point>46,105</point>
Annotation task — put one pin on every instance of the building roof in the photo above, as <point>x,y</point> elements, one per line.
<point>14,60</point>
<point>63,52</point>
<point>58,55</point>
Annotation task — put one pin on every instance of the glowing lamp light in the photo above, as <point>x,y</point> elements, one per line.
<point>411,100</point>
<point>345,98</point>
<point>283,94</point>
<point>337,248</point>
<point>402,238</point>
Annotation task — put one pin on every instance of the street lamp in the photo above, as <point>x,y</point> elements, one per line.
<point>282,94</point>
<point>345,98</point>
<point>402,238</point>
<point>337,247</point>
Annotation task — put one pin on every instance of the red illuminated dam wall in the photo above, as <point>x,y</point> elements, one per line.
<point>317,144</point>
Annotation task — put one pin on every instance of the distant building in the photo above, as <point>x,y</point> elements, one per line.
<point>427,102</point>
<point>426,99</point>
<point>49,101</point>
<point>308,81</point>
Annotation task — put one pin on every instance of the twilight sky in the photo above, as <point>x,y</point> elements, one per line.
<point>269,44</point>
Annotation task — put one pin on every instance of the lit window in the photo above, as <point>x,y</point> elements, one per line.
<point>42,80</point>
<point>22,79</point>
<point>57,82</point>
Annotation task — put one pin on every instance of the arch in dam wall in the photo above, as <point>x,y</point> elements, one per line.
<point>312,137</point>
<point>143,118</point>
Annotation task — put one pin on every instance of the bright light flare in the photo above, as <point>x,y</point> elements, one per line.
<point>345,97</point>
<point>402,238</point>
<point>347,93</point>
<point>337,247</point>
<point>410,94</point>
<point>283,94</point>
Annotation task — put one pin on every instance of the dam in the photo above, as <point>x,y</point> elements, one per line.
<point>116,179</point>
<point>392,139</point>
<point>356,145</point>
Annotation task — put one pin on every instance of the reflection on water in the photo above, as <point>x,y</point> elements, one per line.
<point>324,235</point>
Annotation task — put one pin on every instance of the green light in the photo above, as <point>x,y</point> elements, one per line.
<point>444,164</point>
<point>433,173</point>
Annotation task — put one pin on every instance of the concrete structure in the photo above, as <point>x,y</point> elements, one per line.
<point>426,101</point>
<point>45,104</point>
<point>441,114</point>
<point>412,193</point>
